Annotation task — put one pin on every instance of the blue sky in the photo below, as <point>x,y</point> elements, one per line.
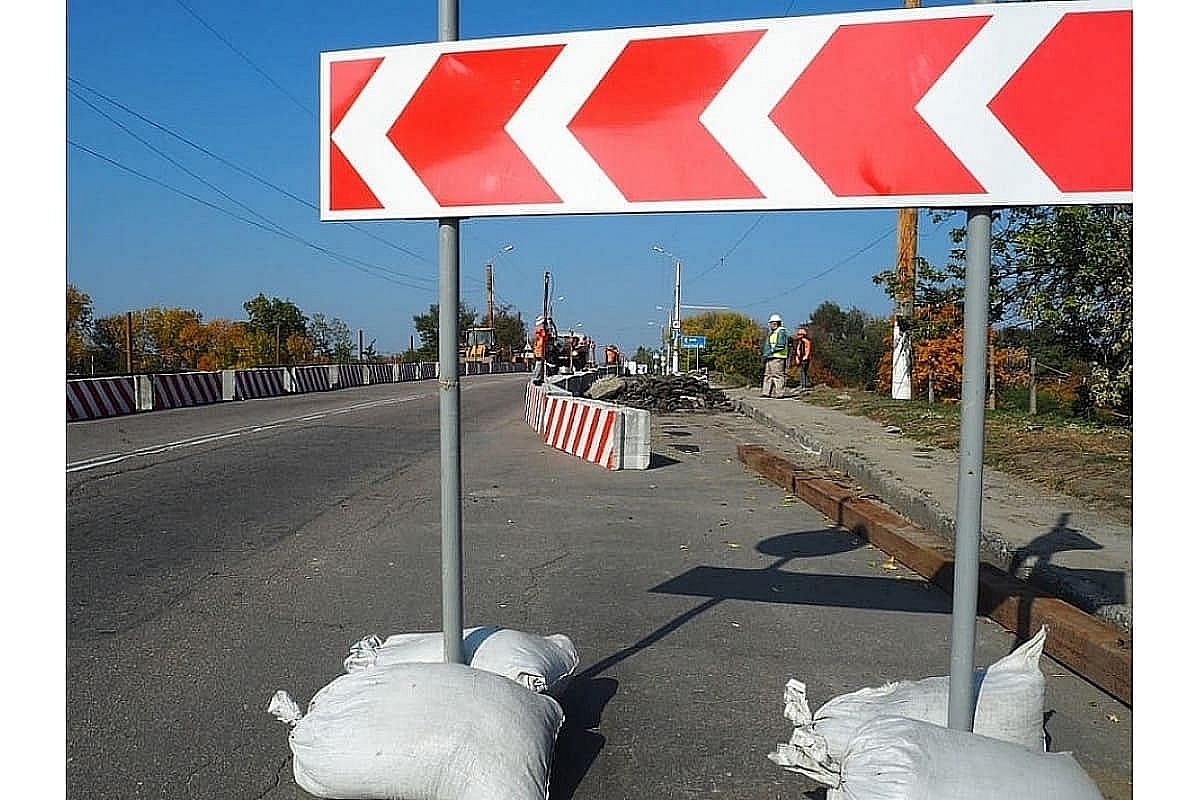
<point>240,81</point>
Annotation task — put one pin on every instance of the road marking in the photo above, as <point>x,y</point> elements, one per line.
<point>113,458</point>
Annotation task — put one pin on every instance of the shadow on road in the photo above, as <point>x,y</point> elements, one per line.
<point>579,743</point>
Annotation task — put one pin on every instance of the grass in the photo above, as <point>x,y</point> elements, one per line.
<point>1089,461</point>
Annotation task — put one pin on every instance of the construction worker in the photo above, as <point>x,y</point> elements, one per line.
<point>802,348</point>
<point>540,335</point>
<point>775,357</point>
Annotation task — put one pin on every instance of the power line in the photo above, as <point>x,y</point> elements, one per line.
<point>359,264</point>
<point>823,273</point>
<point>243,170</point>
<point>247,59</point>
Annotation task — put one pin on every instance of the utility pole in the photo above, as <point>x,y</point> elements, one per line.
<point>277,344</point>
<point>675,324</point>
<point>360,345</point>
<point>490,297</point>
<point>129,342</point>
<point>906,263</point>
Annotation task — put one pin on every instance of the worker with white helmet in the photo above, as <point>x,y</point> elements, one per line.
<point>540,334</point>
<point>775,356</point>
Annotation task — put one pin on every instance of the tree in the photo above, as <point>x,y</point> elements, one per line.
<point>847,346</point>
<point>511,331</point>
<point>331,339</point>
<point>162,337</point>
<point>427,328</point>
<point>79,329</point>
<point>734,342</point>
<point>1064,270</point>
<point>271,323</point>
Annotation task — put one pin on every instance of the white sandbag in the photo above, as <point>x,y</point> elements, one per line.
<point>425,730</point>
<point>1009,699</point>
<point>539,663</point>
<point>893,758</point>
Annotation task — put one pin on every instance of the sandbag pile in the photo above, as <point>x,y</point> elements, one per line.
<point>898,730</point>
<point>401,724</point>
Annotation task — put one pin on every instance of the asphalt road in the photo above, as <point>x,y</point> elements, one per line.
<point>217,554</point>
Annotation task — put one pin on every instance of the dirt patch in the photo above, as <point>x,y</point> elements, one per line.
<point>1091,462</point>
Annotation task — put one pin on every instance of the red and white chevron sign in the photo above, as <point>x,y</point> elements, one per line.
<point>974,105</point>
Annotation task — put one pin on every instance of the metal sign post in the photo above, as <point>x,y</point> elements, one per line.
<point>448,406</point>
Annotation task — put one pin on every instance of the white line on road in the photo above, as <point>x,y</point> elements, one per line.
<point>113,458</point>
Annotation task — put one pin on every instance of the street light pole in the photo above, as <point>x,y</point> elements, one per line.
<point>675,325</point>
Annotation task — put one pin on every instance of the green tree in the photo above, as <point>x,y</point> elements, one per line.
<point>331,339</point>
<point>734,342</point>
<point>79,329</point>
<point>511,331</point>
<point>847,344</point>
<point>270,323</point>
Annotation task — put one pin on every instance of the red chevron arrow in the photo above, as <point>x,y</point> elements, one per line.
<point>347,190</point>
<point>852,113</point>
<point>642,122</point>
<point>452,130</point>
<point>1070,105</point>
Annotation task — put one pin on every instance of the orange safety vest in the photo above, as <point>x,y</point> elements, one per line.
<point>539,343</point>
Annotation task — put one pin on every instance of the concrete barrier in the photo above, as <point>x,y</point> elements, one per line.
<point>344,375</point>
<point>585,428</point>
<point>311,378</point>
<point>93,398</point>
<point>250,384</point>
<point>181,389</point>
<point>613,436</point>
<point>380,373</point>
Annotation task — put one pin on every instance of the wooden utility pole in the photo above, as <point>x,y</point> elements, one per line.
<point>490,297</point>
<point>906,277</point>
<point>129,342</point>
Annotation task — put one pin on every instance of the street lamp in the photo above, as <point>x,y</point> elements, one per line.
<point>675,325</point>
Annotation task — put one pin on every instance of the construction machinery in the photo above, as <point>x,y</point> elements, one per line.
<point>478,346</point>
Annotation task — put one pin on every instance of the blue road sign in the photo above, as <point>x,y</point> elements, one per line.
<point>693,341</point>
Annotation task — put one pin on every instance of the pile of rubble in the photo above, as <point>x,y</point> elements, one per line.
<point>660,393</point>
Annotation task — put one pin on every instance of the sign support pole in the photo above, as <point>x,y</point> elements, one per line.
<point>969,511</point>
<point>970,470</point>
<point>448,406</point>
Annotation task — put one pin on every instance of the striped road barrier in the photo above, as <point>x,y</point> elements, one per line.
<point>92,398</point>
<point>311,378</point>
<point>250,384</point>
<point>535,405</point>
<point>588,429</point>
<point>348,375</point>
<point>182,389</point>
<point>380,373</point>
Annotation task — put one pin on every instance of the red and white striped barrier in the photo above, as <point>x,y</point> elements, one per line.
<point>310,379</point>
<point>255,383</point>
<point>587,429</point>
<point>92,398</point>
<point>535,405</point>
<point>184,389</point>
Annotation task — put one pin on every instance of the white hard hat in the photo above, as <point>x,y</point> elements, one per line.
<point>775,318</point>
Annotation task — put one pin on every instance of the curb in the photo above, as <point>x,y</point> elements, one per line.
<point>993,548</point>
<point>1080,641</point>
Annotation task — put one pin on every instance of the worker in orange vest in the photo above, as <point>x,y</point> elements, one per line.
<point>802,355</point>
<point>540,334</point>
